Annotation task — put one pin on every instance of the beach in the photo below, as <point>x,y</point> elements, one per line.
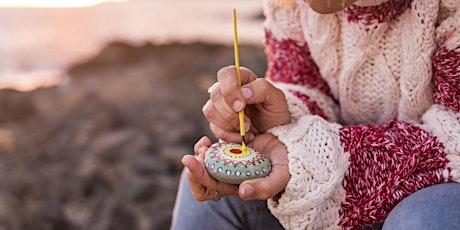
<point>99,105</point>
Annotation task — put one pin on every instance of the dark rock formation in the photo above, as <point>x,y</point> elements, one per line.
<point>103,150</point>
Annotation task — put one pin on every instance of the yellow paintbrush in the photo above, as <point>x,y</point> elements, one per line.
<point>237,64</point>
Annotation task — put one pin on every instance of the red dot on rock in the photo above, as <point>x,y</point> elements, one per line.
<point>236,151</point>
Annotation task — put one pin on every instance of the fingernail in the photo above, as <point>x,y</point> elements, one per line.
<point>246,127</point>
<point>246,124</point>
<point>247,93</point>
<point>248,190</point>
<point>213,87</point>
<point>237,105</point>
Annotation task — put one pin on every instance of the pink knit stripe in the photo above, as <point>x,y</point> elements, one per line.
<point>291,62</point>
<point>311,104</point>
<point>376,14</point>
<point>387,163</point>
<point>447,77</point>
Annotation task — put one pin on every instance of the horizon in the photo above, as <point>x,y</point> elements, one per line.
<point>53,3</point>
<point>40,43</point>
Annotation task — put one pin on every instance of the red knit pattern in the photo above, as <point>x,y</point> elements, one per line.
<point>387,163</point>
<point>311,104</point>
<point>447,78</point>
<point>290,62</point>
<point>376,14</point>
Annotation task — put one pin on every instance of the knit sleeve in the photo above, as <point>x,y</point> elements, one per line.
<point>290,65</point>
<point>446,60</point>
<point>317,164</point>
<point>443,118</point>
<point>347,177</point>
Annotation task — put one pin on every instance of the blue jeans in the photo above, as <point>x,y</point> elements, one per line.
<point>230,213</point>
<point>435,207</point>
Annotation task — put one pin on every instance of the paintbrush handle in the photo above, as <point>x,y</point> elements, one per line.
<point>237,64</point>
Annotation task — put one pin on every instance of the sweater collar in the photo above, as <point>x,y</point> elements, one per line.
<point>384,11</point>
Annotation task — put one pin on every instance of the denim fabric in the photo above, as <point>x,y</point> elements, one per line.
<point>230,213</point>
<point>432,208</point>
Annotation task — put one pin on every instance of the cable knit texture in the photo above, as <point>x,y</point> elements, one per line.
<point>374,97</point>
<point>315,188</point>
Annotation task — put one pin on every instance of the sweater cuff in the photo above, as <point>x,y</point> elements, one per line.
<point>443,123</point>
<point>317,164</point>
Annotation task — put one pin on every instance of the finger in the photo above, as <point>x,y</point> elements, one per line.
<point>269,104</point>
<point>229,88</point>
<point>276,181</point>
<point>203,142</point>
<point>199,191</point>
<point>266,187</point>
<point>225,135</point>
<point>231,136</point>
<point>221,114</point>
<point>202,184</point>
<point>222,111</point>
<point>218,110</point>
<point>262,91</point>
<point>202,154</point>
<point>214,86</point>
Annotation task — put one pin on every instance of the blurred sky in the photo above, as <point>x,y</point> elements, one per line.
<point>38,44</point>
<point>53,3</point>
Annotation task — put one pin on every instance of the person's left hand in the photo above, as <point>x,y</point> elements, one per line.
<point>204,187</point>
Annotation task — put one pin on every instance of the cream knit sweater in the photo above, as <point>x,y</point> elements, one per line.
<point>374,97</point>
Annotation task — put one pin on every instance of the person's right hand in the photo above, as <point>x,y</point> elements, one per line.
<point>265,105</point>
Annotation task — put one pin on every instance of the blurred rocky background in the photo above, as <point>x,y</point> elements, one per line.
<point>99,104</point>
<point>102,151</point>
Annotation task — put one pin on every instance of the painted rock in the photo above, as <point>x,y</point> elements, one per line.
<point>228,162</point>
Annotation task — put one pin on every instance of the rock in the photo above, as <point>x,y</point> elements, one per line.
<point>7,142</point>
<point>14,106</point>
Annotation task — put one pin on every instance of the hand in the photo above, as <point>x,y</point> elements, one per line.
<point>265,105</point>
<point>275,183</point>
<point>203,186</point>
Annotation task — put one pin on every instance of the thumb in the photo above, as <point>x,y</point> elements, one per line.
<point>193,165</point>
<point>262,188</point>
<point>262,91</point>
